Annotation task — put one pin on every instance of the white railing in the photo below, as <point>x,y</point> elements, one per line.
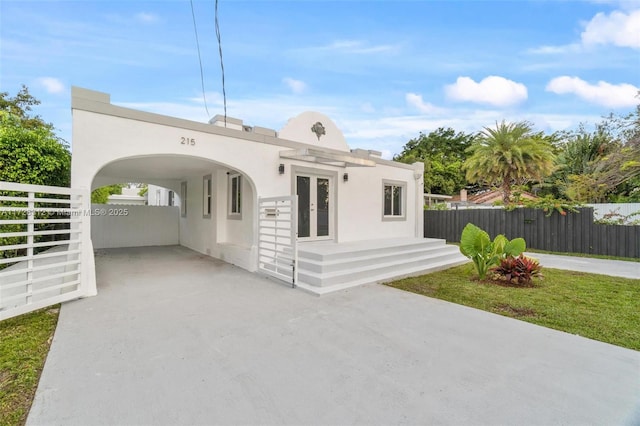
<point>43,244</point>
<point>277,238</point>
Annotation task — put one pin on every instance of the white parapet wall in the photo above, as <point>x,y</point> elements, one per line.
<point>115,226</point>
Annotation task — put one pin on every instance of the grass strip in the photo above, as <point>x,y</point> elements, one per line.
<point>595,306</point>
<point>24,344</point>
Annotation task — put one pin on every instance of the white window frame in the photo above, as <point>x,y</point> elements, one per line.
<point>207,198</point>
<point>183,199</point>
<point>234,210</point>
<point>403,200</point>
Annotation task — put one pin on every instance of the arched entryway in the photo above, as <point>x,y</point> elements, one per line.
<point>213,211</point>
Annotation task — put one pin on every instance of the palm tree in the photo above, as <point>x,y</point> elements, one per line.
<point>511,154</point>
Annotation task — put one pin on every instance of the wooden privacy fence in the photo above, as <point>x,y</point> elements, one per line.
<point>573,233</point>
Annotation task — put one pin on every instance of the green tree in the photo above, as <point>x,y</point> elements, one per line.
<point>511,154</point>
<point>101,195</point>
<point>578,155</point>
<point>30,152</point>
<point>20,107</point>
<point>603,165</point>
<point>443,153</point>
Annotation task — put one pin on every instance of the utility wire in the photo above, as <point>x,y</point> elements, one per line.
<point>224,93</point>
<point>195,28</point>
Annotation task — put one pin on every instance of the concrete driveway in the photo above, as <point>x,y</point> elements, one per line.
<point>176,338</point>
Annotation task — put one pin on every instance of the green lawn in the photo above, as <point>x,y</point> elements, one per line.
<point>24,344</point>
<point>595,306</point>
<point>595,256</point>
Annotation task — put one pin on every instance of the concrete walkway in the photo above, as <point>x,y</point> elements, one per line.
<point>176,338</point>
<point>615,268</point>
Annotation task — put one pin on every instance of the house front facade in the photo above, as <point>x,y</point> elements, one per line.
<point>219,171</point>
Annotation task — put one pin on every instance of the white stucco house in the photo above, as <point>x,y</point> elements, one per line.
<point>296,203</point>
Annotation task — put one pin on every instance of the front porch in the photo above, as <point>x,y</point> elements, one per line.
<point>326,266</point>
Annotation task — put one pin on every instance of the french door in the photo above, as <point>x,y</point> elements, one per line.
<point>315,204</point>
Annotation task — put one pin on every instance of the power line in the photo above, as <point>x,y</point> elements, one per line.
<point>195,28</point>
<point>224,93</point>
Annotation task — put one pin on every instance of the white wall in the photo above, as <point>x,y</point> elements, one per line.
<point>158,196</point>
<point>115,226</point>
<point>104,135</point>
<point>624,209</point>
<point>228,239</point>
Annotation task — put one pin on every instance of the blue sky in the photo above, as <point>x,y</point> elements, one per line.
<point>382,70</point>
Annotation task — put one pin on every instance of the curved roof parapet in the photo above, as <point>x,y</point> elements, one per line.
<point>314,128</point>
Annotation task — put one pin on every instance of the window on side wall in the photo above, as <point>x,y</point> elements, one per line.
<point>393,200</point>
<point>183,199</point>
<point>235,196</point>
<point>206,197</point>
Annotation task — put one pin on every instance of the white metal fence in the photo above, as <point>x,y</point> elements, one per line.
<point>43,247</point>
<point>277,234</point>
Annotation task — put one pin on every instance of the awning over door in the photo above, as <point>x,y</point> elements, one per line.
<point>330,158</point>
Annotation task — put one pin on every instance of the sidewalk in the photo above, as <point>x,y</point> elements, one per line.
<point>616,268</point>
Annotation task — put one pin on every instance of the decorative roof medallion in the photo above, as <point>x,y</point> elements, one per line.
<point>318,129</point>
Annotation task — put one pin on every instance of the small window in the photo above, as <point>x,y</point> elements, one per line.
<point>183,199</point>
<point>393,205</point>
<point>235,196</point>
<point>206,197</point>
<point>171,201</point>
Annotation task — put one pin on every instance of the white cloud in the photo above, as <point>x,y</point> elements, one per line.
<point>355,47</point>
<point>618,28</point>
<point>555,50</point>
<point>386,131</point>
<point>367,107</point>
<point>51,84</point>
<point>147,18</point>
<point>492,90</point>
<point>602,93</point>
<point>296,86</point>
<point>416,101</point>
<point>623,4</point>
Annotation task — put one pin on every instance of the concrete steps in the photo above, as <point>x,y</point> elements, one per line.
<point>326,266</point>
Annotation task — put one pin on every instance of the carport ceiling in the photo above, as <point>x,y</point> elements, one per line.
<point>156,168</point>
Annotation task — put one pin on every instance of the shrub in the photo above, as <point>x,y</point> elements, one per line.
<point>477,246</point>
<point>548,204</point>
<point>520,270</point>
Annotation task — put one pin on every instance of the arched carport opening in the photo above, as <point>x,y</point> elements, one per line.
<point>213,212</point>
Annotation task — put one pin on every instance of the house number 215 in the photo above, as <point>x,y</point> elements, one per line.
<point>187,141</point>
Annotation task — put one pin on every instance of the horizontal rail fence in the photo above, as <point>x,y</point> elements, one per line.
<point>40,246</point>
<point>573,233</point>
<point>277,233</point>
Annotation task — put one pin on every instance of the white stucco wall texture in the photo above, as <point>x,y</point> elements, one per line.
<point>112,144</point>
<point>114,226</point>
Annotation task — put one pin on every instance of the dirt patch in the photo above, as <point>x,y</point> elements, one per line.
<point>515,312</point>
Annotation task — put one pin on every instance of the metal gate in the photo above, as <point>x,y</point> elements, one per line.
<point>277,235</point>
<point>42,243</point>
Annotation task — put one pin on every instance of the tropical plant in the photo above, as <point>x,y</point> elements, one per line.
<point>519,270</point>
<point>511,154</point>
<point>484,253</point>
<point>442,151</point>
